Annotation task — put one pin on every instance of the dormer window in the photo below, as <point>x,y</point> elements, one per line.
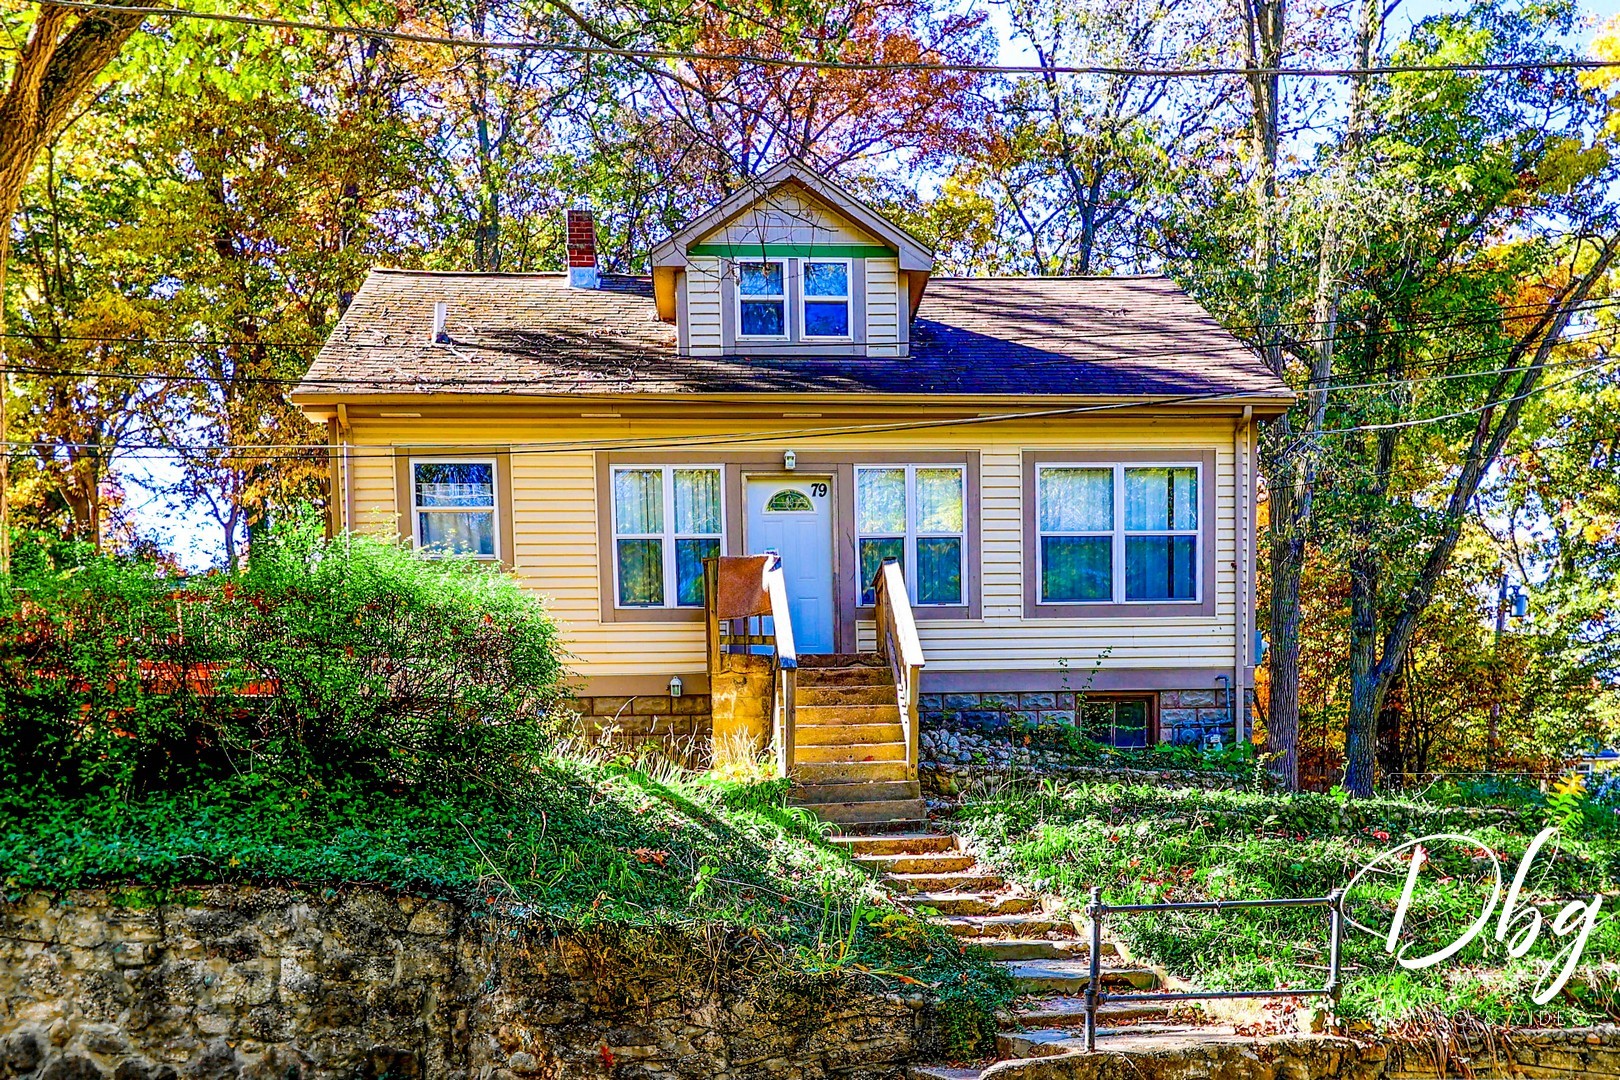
<point>826,298</point>
<point>762,299</point>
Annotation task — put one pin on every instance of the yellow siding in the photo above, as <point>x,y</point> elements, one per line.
<point>703,306</point>
<point>788,216</point>
<point>883,307</point>
<point>554,517</point>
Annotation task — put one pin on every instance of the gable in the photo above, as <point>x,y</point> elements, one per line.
<point>790,221</point>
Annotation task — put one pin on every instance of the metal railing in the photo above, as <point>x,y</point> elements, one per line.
<point>1097,910</point>
<point>737,639</point>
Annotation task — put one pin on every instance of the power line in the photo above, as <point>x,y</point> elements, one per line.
<point>1486,317</point>
<point>285,451</point>
<point>606,49</point>
<point>421,383</point>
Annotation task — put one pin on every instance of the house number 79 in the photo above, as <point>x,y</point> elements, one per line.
<point>818,490</point>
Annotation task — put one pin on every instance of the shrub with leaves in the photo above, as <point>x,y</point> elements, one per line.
<point>354,656</point>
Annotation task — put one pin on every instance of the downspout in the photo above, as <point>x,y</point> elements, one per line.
<point>1242,453</point>
<point>344,433</point>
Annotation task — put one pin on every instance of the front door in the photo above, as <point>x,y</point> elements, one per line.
<point>792,516</point>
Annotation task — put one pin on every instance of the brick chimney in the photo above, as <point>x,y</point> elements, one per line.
<point>582,272</point>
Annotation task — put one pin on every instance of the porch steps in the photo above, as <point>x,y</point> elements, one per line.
<point>1047,956</point>
<point>849,746</point>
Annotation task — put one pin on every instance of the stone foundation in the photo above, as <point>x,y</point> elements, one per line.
<point>680,726</point>
<point>1185,717</point>
<point>222,983</point>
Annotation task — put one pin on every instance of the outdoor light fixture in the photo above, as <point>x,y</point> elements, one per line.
<point>790,460</point>
<point>675,686</point>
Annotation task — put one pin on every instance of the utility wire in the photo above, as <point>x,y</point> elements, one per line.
<point>276,451</point>
<point>1485,318</point>
<point>537,45</point>
<point>423,382</point>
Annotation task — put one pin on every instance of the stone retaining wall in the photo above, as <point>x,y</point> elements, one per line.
<point>271,984</point>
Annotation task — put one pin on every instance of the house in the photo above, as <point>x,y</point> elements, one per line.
<point>1061,469</point>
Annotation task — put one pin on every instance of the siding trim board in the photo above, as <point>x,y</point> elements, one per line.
<point>1208,535</point>
<point>1109,680</point>
<point>794,251</point>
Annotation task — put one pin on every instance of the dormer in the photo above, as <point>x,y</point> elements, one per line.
<point>791,266</point>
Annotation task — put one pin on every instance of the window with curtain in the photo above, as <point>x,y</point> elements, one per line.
<point>1117,532</point>
<point>826,298</point>
<point>1075,518</point>
<point>453,503</point>
<point>1121,723</point>
<point>1161,533</point>
<point>666,521</point>
<point>916,515</point>
<point>762,299</point>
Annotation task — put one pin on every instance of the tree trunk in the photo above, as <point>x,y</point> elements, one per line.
<point>1287,558</point>
<point>1367,685</point>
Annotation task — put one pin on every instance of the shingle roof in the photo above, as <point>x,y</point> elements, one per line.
<point>533,334</point>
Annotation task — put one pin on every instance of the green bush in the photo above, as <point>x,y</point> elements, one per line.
<point>355,657</point>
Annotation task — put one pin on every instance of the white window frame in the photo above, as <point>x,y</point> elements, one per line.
<point>417,510</point>
<point>849,300</point>
<point>784,297</point>
<point>668,537</point>
<point>909,540</point>
<point>1118,533</point>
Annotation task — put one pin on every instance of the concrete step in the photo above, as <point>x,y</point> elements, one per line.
<point>816,754</point>
<point>872,694</point>
<point>903,814</point>
<point>841,773</point>
<point>928,862</point>
<point>883,827</point>
<point>828,715</point>
<point>1072,976</point>
<point>976,881</point>
<point>823,661</point>
<point>848,735</point>
<point>1069,1012</point>
<point>1013,948</point>
<point>908,843</point>
<point>814,794</point>
<point>942,1072</point>
<point>1013,925</point>
<point>970,904</point>
<point>818,678</point>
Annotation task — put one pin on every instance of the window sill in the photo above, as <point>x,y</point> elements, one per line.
<point>923,612</point>
<point>653,614</point>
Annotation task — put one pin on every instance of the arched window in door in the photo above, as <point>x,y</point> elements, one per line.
<point>789,501</point>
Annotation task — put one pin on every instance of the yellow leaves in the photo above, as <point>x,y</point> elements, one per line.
<point>1568,163</point>
<point>1606,46</point>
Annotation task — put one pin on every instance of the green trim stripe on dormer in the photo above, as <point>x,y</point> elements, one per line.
<point>794,251</point>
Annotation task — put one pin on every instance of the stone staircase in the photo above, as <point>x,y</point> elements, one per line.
<point>1046,956</point>
<point>850,763</point>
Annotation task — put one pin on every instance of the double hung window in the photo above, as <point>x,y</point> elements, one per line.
<point>666,521</point>
<point>914,514</point>
<point>1094,546</point>
<point>826,298</point>
<point>762,299</point>
<point>453,506</point>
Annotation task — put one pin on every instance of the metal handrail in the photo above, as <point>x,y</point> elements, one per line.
<point>1096,910</point>
<point>897,642</point>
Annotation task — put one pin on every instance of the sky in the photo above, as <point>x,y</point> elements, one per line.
<point>193,537</point>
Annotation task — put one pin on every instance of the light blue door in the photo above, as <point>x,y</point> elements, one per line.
<point>792,516</point>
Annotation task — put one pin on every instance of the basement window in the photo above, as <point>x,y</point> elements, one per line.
<point>1124,723</point>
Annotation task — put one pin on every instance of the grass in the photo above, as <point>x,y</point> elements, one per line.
<point>577,842</point>
<point>1147,844</point>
